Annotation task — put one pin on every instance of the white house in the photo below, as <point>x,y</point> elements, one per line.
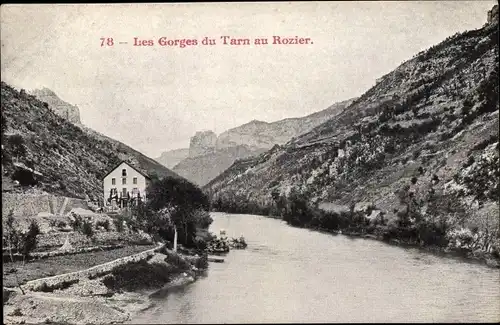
<point>124,184</point>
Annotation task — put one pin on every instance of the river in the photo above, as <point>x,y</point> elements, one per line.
<point>297,275</point>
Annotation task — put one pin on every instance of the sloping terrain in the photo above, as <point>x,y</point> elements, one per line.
<point>172,157</point>
<point>424,139</point>
<point>42,149</point>
<point>201,169</point>
<point>263,135</point>
<point>250,139</point>
<point>59,106</point>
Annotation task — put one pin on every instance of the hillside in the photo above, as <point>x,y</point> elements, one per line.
<point>59,106</point>
<point>210,155</point>
<point>43,149</point>
<point>263,135</point>
<point>172,157</point>
<point>420,147</point>
<point>201,169</point>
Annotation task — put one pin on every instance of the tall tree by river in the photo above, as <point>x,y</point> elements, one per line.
<point>174,203</point>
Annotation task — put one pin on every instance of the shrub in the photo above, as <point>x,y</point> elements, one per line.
<point>203,218</point>
<point>87,229</point>
<point>118,222</point>
<point>435,179</point>
<point>11,235</point>
<point>61,224</point>
<point>137,275</point>
<point>102,223</point>
<point>30,238</point>
<point>76,223</point>
<point>202,262</point>
<point>470,161</point>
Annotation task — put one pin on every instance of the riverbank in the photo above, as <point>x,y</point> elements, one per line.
<point>107,293</point>
<point>465,245</point>
<point>466,254</point>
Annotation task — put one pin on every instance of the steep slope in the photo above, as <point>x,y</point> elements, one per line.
<point>201,169</point>
<point>172,157</point>
<point>422,142</point>
<point>59,106</point>
<point>263,135</point>
<point>210,155</point>
<point>42,149</point>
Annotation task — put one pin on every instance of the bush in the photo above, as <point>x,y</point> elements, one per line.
<point>77,221</point>
<point>118,222</point>
<point>137,275</point>
<point>102,223</point>
<point>203,218</point>
<point>30,238</point>
<point>61,224</point>
<point>87,229</point>
<point>202,262</point>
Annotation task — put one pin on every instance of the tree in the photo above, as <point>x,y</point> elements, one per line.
<point>172,204</point>
<point>16,142</point>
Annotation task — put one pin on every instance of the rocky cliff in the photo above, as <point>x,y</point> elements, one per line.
<point>44,150</point>
<point>263,135</point>
<point>493,15</point>
<point>210,155</point>
<point>422,144</point>
<point>202,143</point>
<point>59,106</point>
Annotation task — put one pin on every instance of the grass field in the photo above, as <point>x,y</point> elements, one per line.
<point>63,264</point>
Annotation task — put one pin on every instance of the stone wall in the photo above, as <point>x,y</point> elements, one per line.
<point>93,272</point>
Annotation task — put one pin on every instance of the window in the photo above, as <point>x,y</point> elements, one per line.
<point>124,172</point>
<point>135,180</point>
<point>124,192</point>
<point>113,181</point>
<point>124,181</point>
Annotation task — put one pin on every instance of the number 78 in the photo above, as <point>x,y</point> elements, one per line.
<point>107,41</point>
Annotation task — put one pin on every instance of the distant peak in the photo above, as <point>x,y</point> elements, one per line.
<point>256,122</point>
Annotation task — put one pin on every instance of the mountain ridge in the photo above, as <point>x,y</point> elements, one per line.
<point>45,150</point>
<point>418,145</point>
<point>210,154</point>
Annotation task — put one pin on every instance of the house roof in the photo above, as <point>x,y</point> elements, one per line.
<point>124,162</point>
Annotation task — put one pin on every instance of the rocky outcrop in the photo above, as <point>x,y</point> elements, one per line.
<point>202,143</point>
<point>493,15</point>
<point>210,155</point>
<point>172,157</point>
<point>67,111</point>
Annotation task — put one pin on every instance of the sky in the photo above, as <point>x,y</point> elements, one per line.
<point>154,98</point>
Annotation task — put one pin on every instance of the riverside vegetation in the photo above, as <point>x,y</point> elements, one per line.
<point>173,203</point>
<point>413,160</point>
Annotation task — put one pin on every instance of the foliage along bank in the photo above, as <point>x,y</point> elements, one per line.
<point>173,203</point>
<point>424,220</point>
